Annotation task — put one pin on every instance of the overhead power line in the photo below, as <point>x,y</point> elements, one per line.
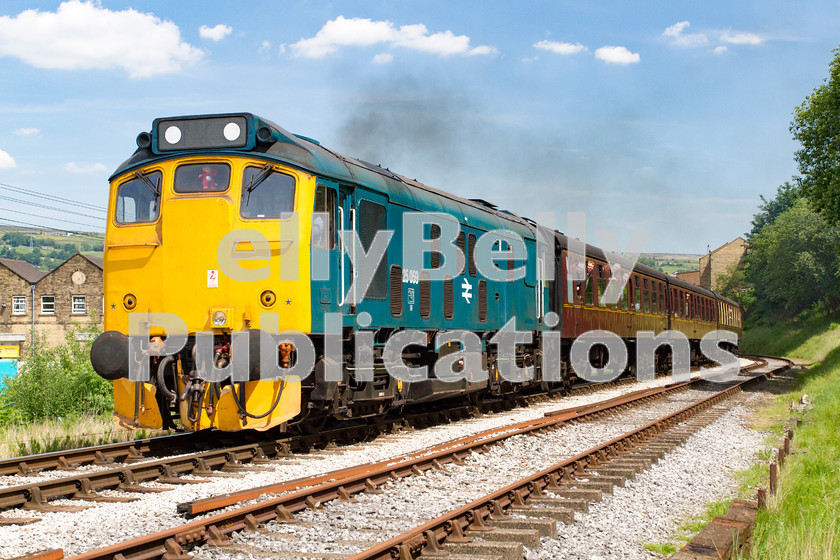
<point>59,219</point>
<point>53,198</point>
<point>75,233</point>
<point>64,210</point>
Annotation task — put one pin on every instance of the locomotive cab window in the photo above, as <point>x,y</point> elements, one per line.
<point>202,178</point>
<point>266,193</point>
<point>138,199</point>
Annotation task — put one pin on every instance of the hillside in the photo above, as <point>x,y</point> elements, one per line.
<point>46,249</point>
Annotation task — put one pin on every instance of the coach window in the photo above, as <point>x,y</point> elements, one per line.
<point>266,193</point>
<point>638,294</point>
<point>603,275</point>
<point>590,272</point>
<point>202,178</point>
<point>654,297</point>
<point>138,199</point>
<point>575,286</point>
<point>663,310</point>
<point>323,222</point>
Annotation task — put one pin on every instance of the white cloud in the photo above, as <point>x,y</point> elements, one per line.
<point>741,38</point>
<point>560,48</point>
<point>721,49</point>
<point>617,55</point>
<point>264,46</point>
<point>27,131</point>
<point>6,161</point>
<point>360,32</point>
<point>383,58</point>
<point>216,33</point>
<point>676,36</point>
<point>83,35</point>
<point>88,168</point>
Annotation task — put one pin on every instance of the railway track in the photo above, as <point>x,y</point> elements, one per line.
<point>305,493</point>
<point>130,466</point>
<point>145,449</point>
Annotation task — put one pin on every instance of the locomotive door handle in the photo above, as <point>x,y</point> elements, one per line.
<point>343,289</point>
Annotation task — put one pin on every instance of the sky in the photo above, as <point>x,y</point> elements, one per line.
<point>670,117</point>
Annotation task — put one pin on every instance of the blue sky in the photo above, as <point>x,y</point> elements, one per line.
<point>666,116</point>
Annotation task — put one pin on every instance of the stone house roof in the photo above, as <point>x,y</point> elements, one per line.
<point>23,269</point>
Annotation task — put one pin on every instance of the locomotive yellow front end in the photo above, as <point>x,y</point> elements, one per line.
<point>203,245</point>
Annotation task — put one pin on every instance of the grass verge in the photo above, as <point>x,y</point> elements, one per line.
<point>59,434</point>
<point>803,520</point>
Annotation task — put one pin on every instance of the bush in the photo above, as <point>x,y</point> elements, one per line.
<point>56,381</point>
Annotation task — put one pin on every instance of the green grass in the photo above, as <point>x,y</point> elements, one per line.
<point>689,527</point>
<point>805,338</point>
<point>665,549</point>
<point>803,520</point>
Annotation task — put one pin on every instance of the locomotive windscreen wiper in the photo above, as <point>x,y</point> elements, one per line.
<point>154,187</point>
<point>255,181</point>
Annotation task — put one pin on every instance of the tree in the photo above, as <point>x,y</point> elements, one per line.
<point>816,126</point>
<point>786,195</point>
<point>15,238</point>
<point>794,263</point>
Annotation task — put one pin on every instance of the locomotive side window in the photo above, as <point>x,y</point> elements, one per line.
<point>371,220</point>
<point>266,193</point>
<point>138,200</point>
<point>324,231</point>
<point>202,178</point>
<point>646,296</point>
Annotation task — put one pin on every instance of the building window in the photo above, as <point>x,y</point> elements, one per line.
<point>79,305</point>
<point>19,305</point>
<point>47,305</point>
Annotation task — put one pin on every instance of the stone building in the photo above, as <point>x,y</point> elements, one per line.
<point>721,262</point>
<point>17,288</point>
<point>32,301</point>
<point>692,276</point>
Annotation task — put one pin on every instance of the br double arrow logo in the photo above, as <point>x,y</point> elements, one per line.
<point>466,290</point>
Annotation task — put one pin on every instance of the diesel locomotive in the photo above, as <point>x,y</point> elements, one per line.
<point>233,225</point>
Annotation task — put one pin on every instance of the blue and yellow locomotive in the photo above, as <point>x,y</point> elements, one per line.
<point>232,224</point>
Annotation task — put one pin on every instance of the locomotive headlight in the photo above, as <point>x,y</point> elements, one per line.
<point>231,131</point>
<point>172,134</point>
<point>219,319</point>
